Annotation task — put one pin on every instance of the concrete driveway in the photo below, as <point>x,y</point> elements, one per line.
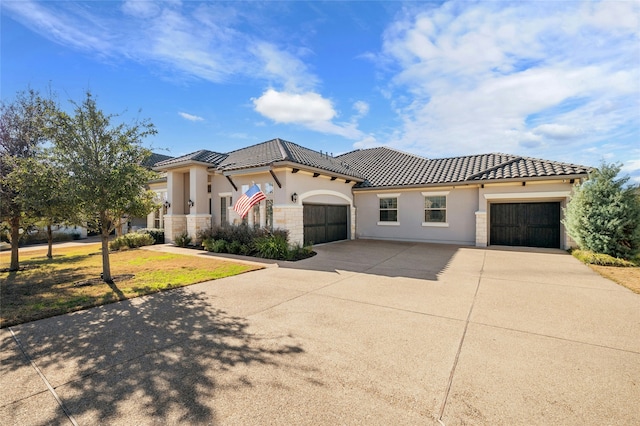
<point>366,332</point>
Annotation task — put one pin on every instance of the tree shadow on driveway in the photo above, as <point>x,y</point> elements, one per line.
<point>147,360</point>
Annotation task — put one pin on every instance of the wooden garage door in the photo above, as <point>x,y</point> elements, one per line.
<point>324,223</point>
<point>525,224</point>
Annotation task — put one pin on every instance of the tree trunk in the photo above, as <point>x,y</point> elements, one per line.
<point>50,242</point>
<point>119,228</point>
<point>106,265</point>
<point>15,241</point>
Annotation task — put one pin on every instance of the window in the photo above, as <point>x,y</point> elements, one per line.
<point>157,219</point>
<point>255,215</point>
<point>268,188</point>
<point>225,202</point>
<point>269,207</point>
<point>388,212</point>
<point>435,208</point>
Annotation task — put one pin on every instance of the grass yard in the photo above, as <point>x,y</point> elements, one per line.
<point>68,282</point>
<point>626,276</point>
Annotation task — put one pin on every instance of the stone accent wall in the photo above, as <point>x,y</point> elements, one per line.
<point>291,218</point>
<point>481,229</point>
<point>197,223</point>
<point>568,241</point>
<point>353,223</point>
<point>174,224</point>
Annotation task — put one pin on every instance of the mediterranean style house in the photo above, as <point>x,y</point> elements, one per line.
<point>377,193</point>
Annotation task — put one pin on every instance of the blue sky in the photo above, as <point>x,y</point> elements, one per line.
<point>555,80</point>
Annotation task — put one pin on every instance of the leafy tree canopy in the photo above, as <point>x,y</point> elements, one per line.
<point>104,165</point>
<point>24,128</point>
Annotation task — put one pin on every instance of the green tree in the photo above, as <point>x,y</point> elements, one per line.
<point>104,163</point>
<point>24,124</point>
<point>45,193</point>
<point>603,214</point>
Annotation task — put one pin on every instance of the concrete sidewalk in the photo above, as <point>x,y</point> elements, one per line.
<point>366,332</point>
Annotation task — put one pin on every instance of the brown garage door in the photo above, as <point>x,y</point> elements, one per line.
<point>525,224</point>
<point>324,223</point>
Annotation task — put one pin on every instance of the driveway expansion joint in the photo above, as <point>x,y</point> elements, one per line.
<point>464,333</point>
<point>44,379</point>
<point>564,339</point>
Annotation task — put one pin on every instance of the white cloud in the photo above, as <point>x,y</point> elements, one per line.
<point>68,28</point>
<point>362,109</point>
<point>281,66</point>
<point>190,117</point>
<point>202,40</point>
<point>557,131</point>
<point>308,109</point>
<point>141,9</point>
<point>631,167</point>
<point>513,77</point>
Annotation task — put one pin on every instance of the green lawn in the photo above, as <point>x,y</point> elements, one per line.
<point>70,281</point>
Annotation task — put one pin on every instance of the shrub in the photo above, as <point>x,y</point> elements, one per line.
<point>132,240</point>
<point>248,241</point>
<point>592,258</point>
<point>183,239</point>
<point>234,247</point>
<point>216,246</point>
<point>156,234</point>
<point>603,215</point>
<point>298,252</point>
<point>272,247</point>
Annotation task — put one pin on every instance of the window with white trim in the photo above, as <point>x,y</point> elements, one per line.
<point>435,208</point>
<point>388,209</point>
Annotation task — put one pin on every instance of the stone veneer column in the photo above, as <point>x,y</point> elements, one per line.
<point>481,229</point>
<point>174,224</point>
<point>353,223</point>
<point>196,223</point>
<point>291,218</point>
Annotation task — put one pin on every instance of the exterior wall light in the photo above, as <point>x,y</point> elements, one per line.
<point>294,197</point>
<point>191,203</point>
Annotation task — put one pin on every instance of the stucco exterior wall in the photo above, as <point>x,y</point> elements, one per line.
<point>515,192</point>
<point>459,229</point>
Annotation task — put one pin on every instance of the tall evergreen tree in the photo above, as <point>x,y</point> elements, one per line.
<point>104,162</point>
<point>603,214</point>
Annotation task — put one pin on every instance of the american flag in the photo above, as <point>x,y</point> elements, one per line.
<point>250,198</point>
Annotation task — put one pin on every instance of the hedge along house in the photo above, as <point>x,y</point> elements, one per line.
<point>377,193</point>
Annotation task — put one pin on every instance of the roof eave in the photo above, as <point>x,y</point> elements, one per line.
<point>181,164</point>
<point>473,182</point>
<point>312,169</point>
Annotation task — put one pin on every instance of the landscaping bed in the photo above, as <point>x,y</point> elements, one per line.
<point>622,271</point>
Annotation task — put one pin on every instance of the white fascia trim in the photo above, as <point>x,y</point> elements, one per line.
<point>388,223</point>
<point>395,194</point>
<point>434,193</point>
<point>247,171</point>
<point>525,195</point>
<point>436,224</point>
<point>225,194</point>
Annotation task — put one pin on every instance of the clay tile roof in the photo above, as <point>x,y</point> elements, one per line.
<point>155,158</point>
<point>202,156</point>
<point>382,166</point>
<point>388,167</point>
<point>278,150</point>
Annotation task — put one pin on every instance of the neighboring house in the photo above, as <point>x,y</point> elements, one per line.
<point>378,193</point>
